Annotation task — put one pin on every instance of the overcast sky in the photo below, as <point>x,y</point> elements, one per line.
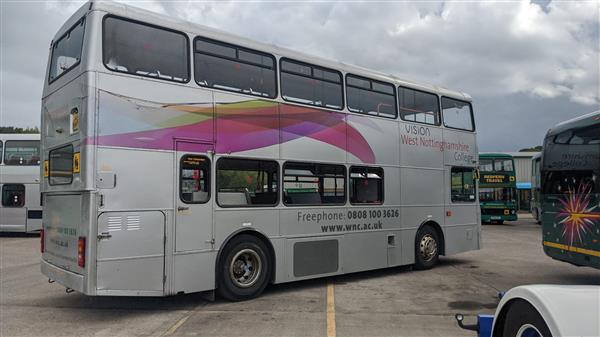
<point>528,65</point>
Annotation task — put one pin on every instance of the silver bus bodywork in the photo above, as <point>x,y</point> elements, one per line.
<point>140,239</point>
<point>13,172</point>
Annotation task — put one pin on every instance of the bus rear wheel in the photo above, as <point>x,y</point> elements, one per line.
<point>427,251</point>
<point>244,268</point>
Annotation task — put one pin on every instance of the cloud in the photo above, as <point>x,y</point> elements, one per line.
<point>543,55</point>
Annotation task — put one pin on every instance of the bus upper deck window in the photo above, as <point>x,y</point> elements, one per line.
<point>419,106</point>
<point>146,50</point>
<point>66,51</point>
<point>234,68</point>
<point>457,114</point>
<point>370,97</point>
<point>310,84</point>
<point>22,152</point>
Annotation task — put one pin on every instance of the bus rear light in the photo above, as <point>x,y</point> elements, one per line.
<point>81,252</point>
<point>42,244</point>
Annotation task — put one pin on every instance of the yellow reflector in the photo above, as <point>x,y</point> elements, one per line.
<point>74,121</point>
<point>76,162</point>
<point>46,170</point>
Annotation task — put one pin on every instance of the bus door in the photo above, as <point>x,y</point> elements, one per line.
<point>193,206</point>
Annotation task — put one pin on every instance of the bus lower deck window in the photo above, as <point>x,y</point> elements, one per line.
<point>247,182</point>
<point>314,184</point>
<point>366,185</point>
<point>462,188</point>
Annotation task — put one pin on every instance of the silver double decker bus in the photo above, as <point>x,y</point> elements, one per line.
<point>181,159</point>
<point>20,209</point>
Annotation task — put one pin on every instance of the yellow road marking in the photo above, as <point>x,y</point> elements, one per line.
<point>330,311</point>
<point>176,326</point>
<point>572,249</point>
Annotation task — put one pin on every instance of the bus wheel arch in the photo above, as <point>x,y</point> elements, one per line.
<point>256,243</point>
<point>429,231</point>
<point>516,314</point>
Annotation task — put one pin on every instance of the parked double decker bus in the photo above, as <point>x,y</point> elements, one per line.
<point>181,159</point>
<point>571,191</point>
<point>497,187</point>
<point>20,210</point>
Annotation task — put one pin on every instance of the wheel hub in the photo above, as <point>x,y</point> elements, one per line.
<point>428,247</point>
<point>245,268</point>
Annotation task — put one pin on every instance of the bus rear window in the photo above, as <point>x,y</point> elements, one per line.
<point>22,152</point>
<point>66,52</point>
<point>61,166</point>
<point>145,50</point>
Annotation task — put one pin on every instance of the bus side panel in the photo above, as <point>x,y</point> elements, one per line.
<point>462,224</point>
<point>61,112</point>
<point>263,220</point>
<point>421,146</point>
<point>13,219</point>
<point>422,201</point>
<point>309,134</point>
<point>246,126</point>
<point>34,208</point>
<point>372,140</point>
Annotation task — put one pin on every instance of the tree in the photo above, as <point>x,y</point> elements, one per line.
<point>532,149</point>
<point>14,129</point>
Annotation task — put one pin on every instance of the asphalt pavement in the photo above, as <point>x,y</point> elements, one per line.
<point>390,302</point>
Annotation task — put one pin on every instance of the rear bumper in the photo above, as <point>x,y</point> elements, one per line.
<point>64,277</point>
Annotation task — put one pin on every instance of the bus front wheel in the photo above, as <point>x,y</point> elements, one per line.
<point>244,268</point>
<point>523,320</point>
<point>427,251</point>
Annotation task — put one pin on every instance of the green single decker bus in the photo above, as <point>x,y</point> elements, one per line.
<point>570,172</point>
<point>497,187</point>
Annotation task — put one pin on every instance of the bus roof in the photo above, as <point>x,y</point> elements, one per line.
<point>196,29</point>
<point>486,155</point>
<point>577,122</point>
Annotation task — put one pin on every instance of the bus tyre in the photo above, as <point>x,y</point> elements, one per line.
<point>427,245</point>
<point>243,269</point>
<point>523,320</point>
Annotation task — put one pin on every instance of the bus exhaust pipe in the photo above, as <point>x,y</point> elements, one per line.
<point>69,290</point>
<point>50,280</point>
